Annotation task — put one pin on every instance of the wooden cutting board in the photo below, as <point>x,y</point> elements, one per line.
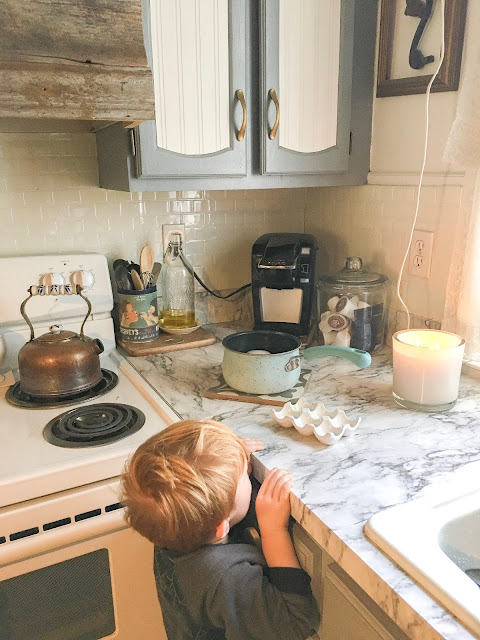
<point>222,391</point>
<point>168,342</point>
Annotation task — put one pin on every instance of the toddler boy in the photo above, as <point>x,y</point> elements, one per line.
<point>184,489</point>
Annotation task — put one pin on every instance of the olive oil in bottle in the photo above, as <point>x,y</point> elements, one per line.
<point>177,285</point>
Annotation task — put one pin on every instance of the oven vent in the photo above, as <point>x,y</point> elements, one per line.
<point>55,524</point>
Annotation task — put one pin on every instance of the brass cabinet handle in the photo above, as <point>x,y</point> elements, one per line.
<point>239,95</point>
<point>273,96</point>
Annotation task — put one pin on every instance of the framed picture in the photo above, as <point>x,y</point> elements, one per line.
<point>409,46</point>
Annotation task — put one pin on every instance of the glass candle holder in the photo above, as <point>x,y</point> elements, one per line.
<point>426,368</point>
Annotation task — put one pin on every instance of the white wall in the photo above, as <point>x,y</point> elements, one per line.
<point>374,221</point>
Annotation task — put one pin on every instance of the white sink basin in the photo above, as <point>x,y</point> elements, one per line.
<point>435,539</point>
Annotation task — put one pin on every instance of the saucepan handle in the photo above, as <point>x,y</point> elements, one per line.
<point>292,364</point>
<point>361,358</point>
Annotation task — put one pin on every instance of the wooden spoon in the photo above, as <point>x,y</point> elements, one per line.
<point>137,281</point>
<point>147,258</point>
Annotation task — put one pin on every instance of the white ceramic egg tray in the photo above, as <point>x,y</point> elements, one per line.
<point>327,426</point>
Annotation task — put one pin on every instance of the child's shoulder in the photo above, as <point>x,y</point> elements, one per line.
<point>211,559</point>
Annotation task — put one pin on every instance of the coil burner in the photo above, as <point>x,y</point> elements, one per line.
<point>19,398</point>
<point>94,425</point>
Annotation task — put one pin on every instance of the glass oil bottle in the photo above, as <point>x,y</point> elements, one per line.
<point>177,287</point>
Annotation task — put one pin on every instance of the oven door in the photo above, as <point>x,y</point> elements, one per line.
<point>86,581</point>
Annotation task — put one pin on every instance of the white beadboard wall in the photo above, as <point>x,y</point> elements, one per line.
<point>50,202</point>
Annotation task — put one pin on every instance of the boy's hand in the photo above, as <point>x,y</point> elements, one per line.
<point>273,502</point>
<point>252,444</point>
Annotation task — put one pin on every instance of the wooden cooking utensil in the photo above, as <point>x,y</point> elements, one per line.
<point>137,281</point>
<point>147,258</point>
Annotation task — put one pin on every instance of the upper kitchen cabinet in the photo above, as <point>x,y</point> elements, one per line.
<point>250,94</point>
<point>305,86</point>
<point>197,54</point>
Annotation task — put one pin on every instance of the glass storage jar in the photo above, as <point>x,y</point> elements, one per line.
<point>177,287</point>
<point>352,307</point>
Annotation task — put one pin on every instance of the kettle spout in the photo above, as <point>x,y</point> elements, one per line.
<point>99,348</point>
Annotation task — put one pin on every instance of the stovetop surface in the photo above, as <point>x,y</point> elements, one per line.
<point>31,467</point>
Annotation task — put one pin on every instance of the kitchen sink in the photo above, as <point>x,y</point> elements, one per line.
<point>436,540</point>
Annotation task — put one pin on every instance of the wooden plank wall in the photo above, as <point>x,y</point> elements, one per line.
<point>74,59</point>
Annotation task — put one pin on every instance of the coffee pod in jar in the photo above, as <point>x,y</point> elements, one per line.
<point>332,303</point>
<point>343,338</point>
<point>346,307</point>
<point>329,337</point>
<point>333,322</point>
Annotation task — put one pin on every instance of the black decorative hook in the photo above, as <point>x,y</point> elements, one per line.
<point>419,9</point>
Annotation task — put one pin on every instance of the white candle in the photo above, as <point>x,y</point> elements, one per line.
<point>426,368</point>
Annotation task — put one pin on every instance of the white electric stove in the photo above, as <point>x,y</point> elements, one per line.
<point>56,500</point>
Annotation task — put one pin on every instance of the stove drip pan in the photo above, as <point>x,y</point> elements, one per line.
<point>17,397</point>
<point>94,425</point>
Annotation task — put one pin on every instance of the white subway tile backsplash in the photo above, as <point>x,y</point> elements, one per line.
<point>50,202</point>
<point>374,222</point>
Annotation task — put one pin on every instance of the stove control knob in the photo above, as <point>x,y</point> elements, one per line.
<point>84,278</point>
<point>50,279</point>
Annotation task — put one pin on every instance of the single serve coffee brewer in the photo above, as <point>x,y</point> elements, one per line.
<point>283,282</point>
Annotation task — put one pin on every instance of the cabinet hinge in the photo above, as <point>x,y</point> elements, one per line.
<point>132,142</point>
<point>350,145</point>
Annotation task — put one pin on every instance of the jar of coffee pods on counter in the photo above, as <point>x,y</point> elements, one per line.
<point>352,307</point>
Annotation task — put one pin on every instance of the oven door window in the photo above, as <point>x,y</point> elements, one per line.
<point>70,600</point>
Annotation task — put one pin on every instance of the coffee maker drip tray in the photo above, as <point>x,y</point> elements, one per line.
<point>281,305</point>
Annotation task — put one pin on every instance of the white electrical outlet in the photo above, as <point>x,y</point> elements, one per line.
<point>420,257</point>
<point>168,229</point>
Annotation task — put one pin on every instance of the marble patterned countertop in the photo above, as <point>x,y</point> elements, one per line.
<point>393,457</point>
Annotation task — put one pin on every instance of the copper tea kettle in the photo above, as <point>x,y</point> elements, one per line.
<point>59,363</point>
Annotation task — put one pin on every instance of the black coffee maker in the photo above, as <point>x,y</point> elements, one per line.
<point>283,282</point>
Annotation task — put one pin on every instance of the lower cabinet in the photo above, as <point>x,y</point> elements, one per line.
<point>348,613</point>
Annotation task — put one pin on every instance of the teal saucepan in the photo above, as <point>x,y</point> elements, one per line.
<point>266,362</point>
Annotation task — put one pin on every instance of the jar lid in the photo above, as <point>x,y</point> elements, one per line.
<point>354,273</point>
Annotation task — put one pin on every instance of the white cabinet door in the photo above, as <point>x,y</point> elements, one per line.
<point>197,51</point>
<point>306,85</point>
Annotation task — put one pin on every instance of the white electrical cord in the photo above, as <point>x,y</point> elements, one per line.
<point>425,149</point>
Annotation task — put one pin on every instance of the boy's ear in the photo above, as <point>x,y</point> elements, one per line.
<point>222,529</point>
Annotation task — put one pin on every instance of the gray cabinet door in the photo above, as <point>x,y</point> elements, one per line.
<point>306,85</point>
<point>197,52</point>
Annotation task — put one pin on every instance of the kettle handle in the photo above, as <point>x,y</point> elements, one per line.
<point>361,358</point>
<point>78,290</point>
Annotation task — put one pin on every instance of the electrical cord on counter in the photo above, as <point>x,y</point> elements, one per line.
<point>212,293</point>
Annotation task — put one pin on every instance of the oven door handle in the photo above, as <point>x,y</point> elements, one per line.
<point>44,542</point>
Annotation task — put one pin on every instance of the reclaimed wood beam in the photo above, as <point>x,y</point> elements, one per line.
<point>74,59</point>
